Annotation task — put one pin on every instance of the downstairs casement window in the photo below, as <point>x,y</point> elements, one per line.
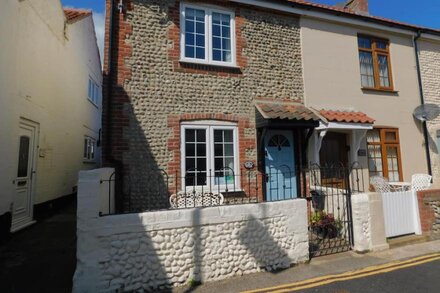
<point>209,157</point>
<point>207,35</point>
<point>384,154</point>
<point>89,149</point>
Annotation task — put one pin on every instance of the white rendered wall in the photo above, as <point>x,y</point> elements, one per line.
<point>45,65</point>
<point>165,248</point>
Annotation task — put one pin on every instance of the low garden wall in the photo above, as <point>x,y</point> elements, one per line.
<point>429,209</point>
<point>368,222</point>
<point>146,251</point>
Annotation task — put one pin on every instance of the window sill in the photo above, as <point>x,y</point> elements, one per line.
<point>369,89</point>
<point>209,66</point>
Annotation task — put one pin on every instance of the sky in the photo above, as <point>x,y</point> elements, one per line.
<point>420,12</point>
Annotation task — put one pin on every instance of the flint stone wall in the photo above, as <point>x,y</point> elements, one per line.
<point>430,70</point>
<point>269,45</point>
<point>146,251</point>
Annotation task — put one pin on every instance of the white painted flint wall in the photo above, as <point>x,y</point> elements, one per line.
<point>152,250</point>
<point>368,222</point>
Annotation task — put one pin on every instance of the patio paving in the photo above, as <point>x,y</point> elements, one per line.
<point>41,258</point>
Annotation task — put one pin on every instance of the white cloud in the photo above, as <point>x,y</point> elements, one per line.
<point>99,20</point>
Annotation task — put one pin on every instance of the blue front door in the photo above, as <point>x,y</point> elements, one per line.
<point>280,165</point>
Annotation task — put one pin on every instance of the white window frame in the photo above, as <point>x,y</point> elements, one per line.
<point>208,36</point>
<point>86,158</point>
<point>209,127</point>
<point>96,92</point>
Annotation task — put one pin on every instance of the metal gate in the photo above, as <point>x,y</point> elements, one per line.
<point>330,214</point>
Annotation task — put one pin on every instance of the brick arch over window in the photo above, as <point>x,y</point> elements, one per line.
<point>174,143</point>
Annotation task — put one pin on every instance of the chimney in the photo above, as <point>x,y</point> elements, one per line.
<point>358,6</point>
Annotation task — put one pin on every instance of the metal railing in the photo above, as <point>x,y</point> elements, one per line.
<point>157,190</point>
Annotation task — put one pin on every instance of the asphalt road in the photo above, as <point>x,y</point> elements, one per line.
<point>418,279</point>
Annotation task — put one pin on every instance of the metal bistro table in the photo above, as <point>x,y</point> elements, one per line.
<point>400,186</point>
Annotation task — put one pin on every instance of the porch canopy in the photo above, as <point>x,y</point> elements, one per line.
<point>284,114</point>
<point>354,123</point>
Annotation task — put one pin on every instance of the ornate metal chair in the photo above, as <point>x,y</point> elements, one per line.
<point>192,198</point>
<point>420,181</point>
<point>380,184</point>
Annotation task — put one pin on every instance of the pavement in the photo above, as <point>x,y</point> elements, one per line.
<point>331,265</point>
<point>42,257</point>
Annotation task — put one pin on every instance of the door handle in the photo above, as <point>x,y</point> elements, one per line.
<point>21,183</point>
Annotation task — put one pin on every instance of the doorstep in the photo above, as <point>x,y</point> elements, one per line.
<point>407,240</point>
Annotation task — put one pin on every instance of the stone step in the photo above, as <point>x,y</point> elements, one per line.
<point>407,240</point>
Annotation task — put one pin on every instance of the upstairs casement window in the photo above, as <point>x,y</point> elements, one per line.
<point>207,35</point>
<point>375,64</point>
<point>94,92</point>
<point>210,156</point>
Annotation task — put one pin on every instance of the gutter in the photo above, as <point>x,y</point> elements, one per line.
<point>422,101</point>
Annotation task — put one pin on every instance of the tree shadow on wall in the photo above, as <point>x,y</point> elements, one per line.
<point>261,244</point>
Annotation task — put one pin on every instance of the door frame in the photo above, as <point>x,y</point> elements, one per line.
<point>295,156</point>
<point>36,132</point>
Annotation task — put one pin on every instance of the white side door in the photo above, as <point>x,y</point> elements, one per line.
<point>25,176</point>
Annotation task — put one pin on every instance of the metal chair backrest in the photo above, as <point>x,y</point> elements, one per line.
<point>380,184</point>
<point>420,181</point>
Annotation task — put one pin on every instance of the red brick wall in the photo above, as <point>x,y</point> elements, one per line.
<point>427,215</point>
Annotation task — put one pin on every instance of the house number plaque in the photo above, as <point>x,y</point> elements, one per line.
<point>249,165</point>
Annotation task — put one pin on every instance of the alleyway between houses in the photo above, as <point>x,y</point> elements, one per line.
<point>40,258</point>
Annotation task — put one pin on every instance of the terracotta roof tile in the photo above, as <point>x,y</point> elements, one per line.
<point>74,15</point>
<point>284,110</point>
<point>345,116</point>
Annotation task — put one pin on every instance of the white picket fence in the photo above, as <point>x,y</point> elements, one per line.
<point>401,212</point>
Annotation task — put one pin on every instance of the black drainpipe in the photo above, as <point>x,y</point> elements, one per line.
<point>422,101</point>
<point>108,152</point>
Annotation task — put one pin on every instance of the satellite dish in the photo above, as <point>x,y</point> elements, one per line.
<point>426,112</point>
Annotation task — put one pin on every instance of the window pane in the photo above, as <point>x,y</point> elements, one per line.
<point>221,39</point>
<point>364,43</point>
<point>218,150</point>
<point>373,136</point>
<point>189,39</point>
<point>190,150</point>
<point>392,162</point>
<point>23,157</point>
<point>200,53</point>
<point>229,135</point>
<point>229,149</point>
<point>367,73</point>
<point>218,135</point>
<point>381,45</point>
<point>201,150</point>
<point>217,55</point>
<point>190,135</point>
<point>383,70</point>
<point>216,43</point>
<point>201,135</point>
<point>189,51</point>
<point>194,33</point>
<point>201,164</point>
<point>189,26</point>
<point>390,136</point>
<point>200,28</point>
